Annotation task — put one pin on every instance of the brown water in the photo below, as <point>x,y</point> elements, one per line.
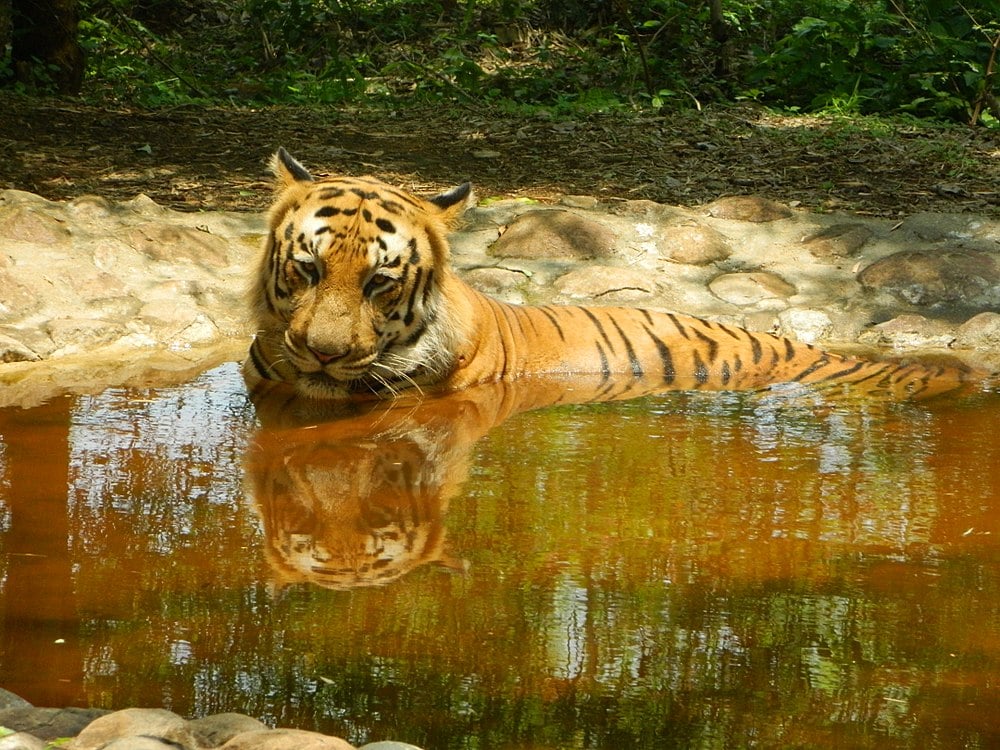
<point>683,570</point>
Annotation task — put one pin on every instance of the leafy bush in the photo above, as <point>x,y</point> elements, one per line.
<point>843,55</point>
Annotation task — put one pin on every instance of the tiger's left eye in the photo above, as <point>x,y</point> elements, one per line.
<point>378,283</point>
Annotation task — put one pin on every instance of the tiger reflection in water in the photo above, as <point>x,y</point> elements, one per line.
<point>354,495</point>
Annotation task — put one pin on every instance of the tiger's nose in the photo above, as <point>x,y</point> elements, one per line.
<point>326,357</point>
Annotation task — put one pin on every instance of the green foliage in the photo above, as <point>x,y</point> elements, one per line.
<point>841,56</point>
<point>870,57</point>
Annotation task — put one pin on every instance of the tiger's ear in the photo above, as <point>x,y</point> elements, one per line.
<point>451,204</point>
<point>287,170</point>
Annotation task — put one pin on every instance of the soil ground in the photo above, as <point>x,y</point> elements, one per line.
<point>214,158</point>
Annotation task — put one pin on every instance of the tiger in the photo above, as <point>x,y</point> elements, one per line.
<point>355,297</point>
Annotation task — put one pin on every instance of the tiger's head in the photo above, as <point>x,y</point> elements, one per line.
<point>348,294</point>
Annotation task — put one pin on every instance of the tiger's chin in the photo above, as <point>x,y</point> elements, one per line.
<point>319,385</point>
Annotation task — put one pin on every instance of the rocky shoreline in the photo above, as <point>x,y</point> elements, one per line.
<point>32,728</point>
<point>94,293</point>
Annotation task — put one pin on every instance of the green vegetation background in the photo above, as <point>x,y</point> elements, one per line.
<point>928,58</point>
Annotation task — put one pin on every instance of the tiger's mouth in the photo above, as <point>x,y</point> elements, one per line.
<point>323,386</point>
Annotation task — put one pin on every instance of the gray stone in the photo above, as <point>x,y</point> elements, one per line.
<point>606,283</point>
<point>12,350</point>
<point>22,224</point>
<point>838,240</point>
<point>147,743</point>
<point>910,332</point>
<point>77,334</point>
<point>752,208</point>
<point>750,288</point>
<point>10,700</point>
<point>944,226</point>
<point>285,739</point>
<point>217,729</point>
<point>494,280</point>
<point>947,276</point>
<point>693,243</point>
<point>808,326</point>
<point>554,234</point>
<point>165,242</point>
<point>130,723</point>
<point>981,331</point>
<point>49,723</point>
<point>21,741</point>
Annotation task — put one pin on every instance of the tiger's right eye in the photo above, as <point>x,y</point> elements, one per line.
<point>306,268</point>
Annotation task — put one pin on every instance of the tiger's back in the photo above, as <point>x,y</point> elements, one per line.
<point>355,297</point>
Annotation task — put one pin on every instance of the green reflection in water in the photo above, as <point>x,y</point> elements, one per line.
<point>679,571</point>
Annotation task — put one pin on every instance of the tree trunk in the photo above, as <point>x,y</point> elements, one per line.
<point>45,50</point>
<point>721,35</point>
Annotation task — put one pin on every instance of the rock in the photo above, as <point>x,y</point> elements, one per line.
<point>10,700</point>
<point>693,243</point>
<point>588,202</point>
<point>948,276</point>
<point>838,240</point>
<point>494,280</point>
<point>554,234</point>
<point>130,723</point>
<point>165,242</point>
<point>750,288</point>
<point>606,283</point>
<point>910,332</point>
<point>22,741</point>
<point>751,208</point>
<point>49,723</point>
<point>285,739</point>
<point>12,350</point>
<point>217,729</point>
<point>146,743</point>
<point>22,224</point>
<point>77,334</point>
<point>16,299</point>
<point>936,227</point>
<point>808,326</point>
<point>981,331</point>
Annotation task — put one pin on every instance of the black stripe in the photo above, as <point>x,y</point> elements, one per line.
<point>633,361</point>
<point>552,319</point>
<point>680,329</point>
<point>713,345</point>
<point>605,367</point>
<point>755,348</point>
<point>600,328</point>
<point>789,350</point>
<point>844,373</point>
<point>412,301</point>
<point>726,374</point>
<point>727,329</point>
<point>878,370</point>
<point>819,364</point>
<point>669,373</point>
<point>259,363</point>
<point>428,287</point>
<point>700,370</point>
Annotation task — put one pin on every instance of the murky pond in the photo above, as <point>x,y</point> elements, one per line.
<point>682,570</point>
